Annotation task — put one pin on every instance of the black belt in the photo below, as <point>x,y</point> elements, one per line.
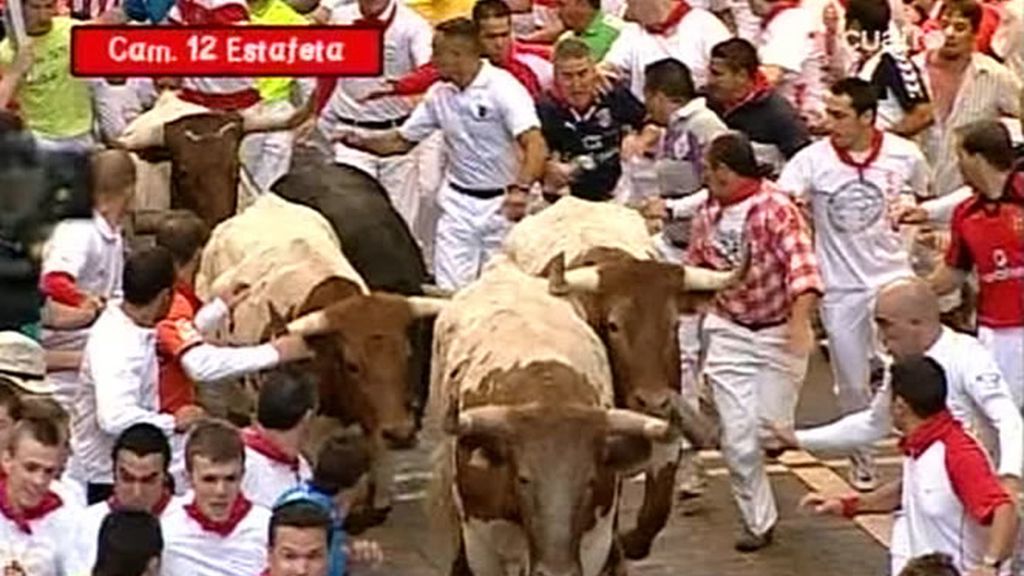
<point>374,124</point>
<point>481,193</point>
<point>758,326</point>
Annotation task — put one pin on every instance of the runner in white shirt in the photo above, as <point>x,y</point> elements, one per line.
<point>300,531</point>
<point>948,491</point>
<point>907,314</point>
<point>129,538</point>
<point>664,29</point>
<point>792,52</point>
<point>407,46</point>
<point>489,122</point>
<point>855,181</point>
<point>83,263</point>
<point>120,372</point>
<point>142,456</point>
<point>216,531</point>
<point>273,462</point>
<point>34,521</point>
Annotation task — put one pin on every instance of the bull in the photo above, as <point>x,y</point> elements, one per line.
<point>602,260</point>
<point>529,478</point>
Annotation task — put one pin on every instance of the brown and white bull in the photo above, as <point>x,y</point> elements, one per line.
<point>291,258</point>
<point>602,256</point>
<point>529,479</point>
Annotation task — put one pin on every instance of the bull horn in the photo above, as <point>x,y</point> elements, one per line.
<point>434,291</point>
<point>134,140</point>
<point>426,306</point>
<point>260,121</point>
<point>707,279</point>
<point>557,286</point>
<point>583,279</point>
<point>484,420</point>
<point>700,431</point>
<point>634,423</point>
<point>311,324</point>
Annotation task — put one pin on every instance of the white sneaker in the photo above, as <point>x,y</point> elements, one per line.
<point>863,474</point>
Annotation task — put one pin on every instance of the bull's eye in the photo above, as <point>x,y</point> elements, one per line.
<point>523,480</point>
<point>613,327</point>
<point>351,367</point>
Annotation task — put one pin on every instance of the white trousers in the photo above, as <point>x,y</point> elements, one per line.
<point>847,317</point>
<point>268,155</point>
<point>399,175</point>
<point>432,158</point>
<point>753,378</point>
<point>1007,347</point>
<point>469,232</point>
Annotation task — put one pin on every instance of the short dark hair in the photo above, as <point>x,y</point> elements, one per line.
<point>991,140</point>
<point>10,122</point>
<point>871,15</point>
<point>183,235</point>
<point>43,430</point>
<point>147,273</point>
<point>285,397</point>
<point>670,77</point>
<point>921,383</point>
<point>461,28</point>
<point>969,9</point>
<point>734,151</point>
<point>10,398</point>
<point>300,514</point>
<point>934,564</point>
<point>863,95</point>
<point>128,541</point>
<point>215,440</point>
<point>340,463</point>
<point>569,48</point>
<point>486,9</point>
<point>143,439</point>
<point>738,55</point>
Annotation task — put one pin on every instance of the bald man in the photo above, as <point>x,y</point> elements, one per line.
<point>907,315</point>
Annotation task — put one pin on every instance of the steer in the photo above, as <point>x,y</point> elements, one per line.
<point>531,474</point>
<point>292,260</point>
<point>633,303</point>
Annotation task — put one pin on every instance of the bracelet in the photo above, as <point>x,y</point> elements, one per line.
<point>851,505</point>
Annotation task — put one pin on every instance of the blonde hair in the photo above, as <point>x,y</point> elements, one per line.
<point>113,173</point>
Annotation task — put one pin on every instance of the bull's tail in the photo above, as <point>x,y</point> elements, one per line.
<point>442,508</point>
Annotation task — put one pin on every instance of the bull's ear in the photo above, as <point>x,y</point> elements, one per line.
<point>626,453</point>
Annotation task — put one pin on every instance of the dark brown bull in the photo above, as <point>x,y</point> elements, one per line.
<point>634,306</point>
<point>547,462</point>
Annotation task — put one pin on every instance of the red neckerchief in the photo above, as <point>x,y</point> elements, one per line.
<point>239,510</point>
<point>674,17</point>
<point>257,440</point>
<point>930,431</point>
<point>873,152</point>
<point>157,510</point>
<point>376,22</point>
<point>778,7</point>
<point>21,519</point>
<point>747,188</point>
<point>188,293</point>
<point>760,88</point>
<point>540,50</point>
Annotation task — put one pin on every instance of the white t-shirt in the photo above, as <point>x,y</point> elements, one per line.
<point>480,125</point>
<point>407,46</point>
<point>792,41</point>
<point>857,242</point>
<point>978,397</point>
<point>191,550</point>
<point>690,42</point>
<point>266,479</point>
<point>117,105</point>
<point>44,552</point>
<point>119,388</point>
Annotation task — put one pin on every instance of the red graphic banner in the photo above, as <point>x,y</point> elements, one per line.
<point>226,51</point>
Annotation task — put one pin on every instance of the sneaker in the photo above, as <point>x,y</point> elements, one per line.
<point>863,475</point>
<point>692,481</point>
<point>750,542</point>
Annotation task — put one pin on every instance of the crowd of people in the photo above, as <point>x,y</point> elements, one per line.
<point>859,159</point>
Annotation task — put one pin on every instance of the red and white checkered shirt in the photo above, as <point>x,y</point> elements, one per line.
<point>764,221</point>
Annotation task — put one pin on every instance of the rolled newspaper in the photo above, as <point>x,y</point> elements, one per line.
<point>15,22</point>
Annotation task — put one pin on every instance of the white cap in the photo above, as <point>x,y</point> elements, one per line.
<point>23,362</point>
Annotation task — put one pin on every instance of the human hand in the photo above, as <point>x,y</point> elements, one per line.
<point>390,89</point>
<point>778,436</point>
<point>800,338</point>
<point>819,505</point>
<point>364,552</point>
<point>910,214</point>
<point>654,208</point>
<point>188,416</point>
<point>291,347</point>
<point>515,204</point>
<point>349,138</point>
<point>23,59</point>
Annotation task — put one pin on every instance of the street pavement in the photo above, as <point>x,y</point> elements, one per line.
<point>699,537</point>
